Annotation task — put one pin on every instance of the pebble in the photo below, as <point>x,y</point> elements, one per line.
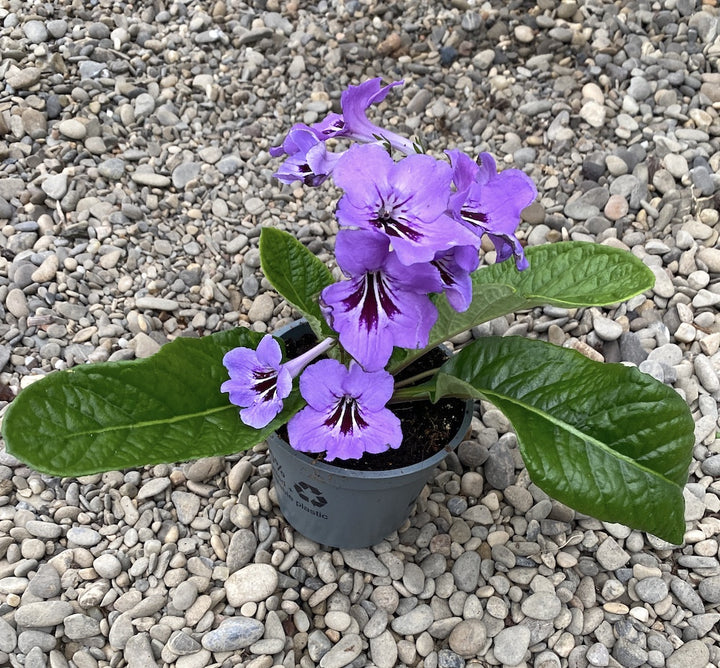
<point>510,645</point>
<point>42,613</point>
<point>343,653</point>
<point>233,634</point>
<point>107,566</point>
<point>72,128</point>
<point>468,638</point>
<point>254,582</point>
<point>610,555</point>
<point>413,622</point>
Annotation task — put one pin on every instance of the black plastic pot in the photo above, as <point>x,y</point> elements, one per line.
<point>343,507</point>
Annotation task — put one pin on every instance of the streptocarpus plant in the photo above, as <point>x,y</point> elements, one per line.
<point>603,438</point>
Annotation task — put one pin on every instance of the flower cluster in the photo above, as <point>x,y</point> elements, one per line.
<point>409,228</point>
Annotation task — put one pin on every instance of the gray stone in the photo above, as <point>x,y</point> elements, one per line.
<point>598,655</point>
<point>150,178</point>
<point>413,622</point>
<point>186,505</point>
<point>184,595</point>
<point>651,590</point>
<point>184,174</point>
<point>262,308</point>
<point>510,645</point>
<point>46,583</point>
<point>42,613</point>
<point>181,644</point>
<point>610,555</point>
<point>365,561</point>
<point>72,128</point>
<point>693,653</point>
<point>138,651</point>
<point>449,659</point>
<point>709,589</point>
<point>543,605</point>
<point>499,469</point>
<point>229,165</point>
<point>107,566</point>
<point>83,536</point>
<point>254,582</point>
<point>468,638</point>
<point>233,634</point>
<point>156,304</point>
<point>35,31</point>
<point>466,571</point>
<point>318,645</point>
<point>241,549</point>
<point>687,596</point>
<point>629,653</point>
<point>112,168</point>
<point>383,650</point>
<point>79,626</point>
<point>344,652</point>
<point>8,637</point>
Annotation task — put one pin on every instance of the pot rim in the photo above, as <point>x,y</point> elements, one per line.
<point>274,440</point>
<point>334,469</point>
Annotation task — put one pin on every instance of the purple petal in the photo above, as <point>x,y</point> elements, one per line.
<point>355,101</point>
<point>360,311</point>
<point>373,389</point>
<point>239,361</point>
<point>380,432</point>
<point>321,383</point>
<point>308,159</point>
<point>420,278</point>
<point>333,125</point>
<point>358,251</point>
<point>261,414</point>
<point>268,352</point>
<point>455,267</point>
<point>464,169</point>
<point>306,431</point>
<point>425,182</point>
<point>240,391</point>
<point>362,173</point>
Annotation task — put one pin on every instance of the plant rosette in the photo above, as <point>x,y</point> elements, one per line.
<point>605,439</point>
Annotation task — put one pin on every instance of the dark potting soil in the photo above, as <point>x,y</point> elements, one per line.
<point>427,428</point>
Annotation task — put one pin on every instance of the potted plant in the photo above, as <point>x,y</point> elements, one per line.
<point>604,439</point>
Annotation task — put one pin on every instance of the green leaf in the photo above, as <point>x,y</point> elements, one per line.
<point>296,274</point>
<point>605,439</point>
<point>117,415</point>
<point>568,274</point>
<point>571,274</point>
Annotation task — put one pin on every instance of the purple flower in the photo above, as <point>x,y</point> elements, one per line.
<point>490,203</point>
<point>455,267</point>
<point>354,123</point>
<point>384,304</point>
<point>407,201</point>
<point>346,414</point>
<point>259,382</point>
<point>308,159</point>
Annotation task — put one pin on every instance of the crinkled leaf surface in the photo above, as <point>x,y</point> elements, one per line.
<point>116,415</point>
<point>605,439</point>
<point>568,274</point>
<point>296,274</point>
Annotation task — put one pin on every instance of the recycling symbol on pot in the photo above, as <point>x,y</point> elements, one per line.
<point>310,494</point>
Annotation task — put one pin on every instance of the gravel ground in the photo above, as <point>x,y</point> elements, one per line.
<point>135,179</point>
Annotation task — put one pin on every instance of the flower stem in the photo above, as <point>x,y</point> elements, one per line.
<point>297,364</point>
<point>416,378</point>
